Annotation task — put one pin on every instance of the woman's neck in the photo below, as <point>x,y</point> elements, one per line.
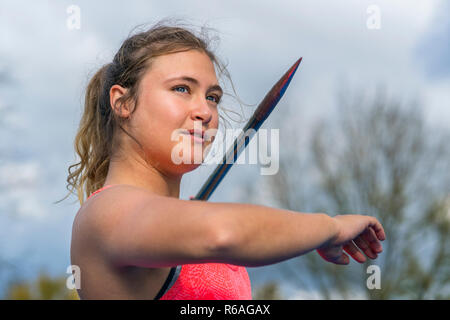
<point>141,174</point>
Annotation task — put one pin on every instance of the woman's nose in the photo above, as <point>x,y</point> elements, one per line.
<point>201,111</point>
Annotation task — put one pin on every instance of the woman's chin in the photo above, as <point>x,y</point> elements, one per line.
<point>183,168</point>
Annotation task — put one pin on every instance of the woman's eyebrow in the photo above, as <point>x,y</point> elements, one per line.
<point>196,82</point>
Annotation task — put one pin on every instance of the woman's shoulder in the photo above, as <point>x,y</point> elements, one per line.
<point>110,202</point>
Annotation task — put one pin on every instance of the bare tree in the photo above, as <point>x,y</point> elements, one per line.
<point>377,157</point>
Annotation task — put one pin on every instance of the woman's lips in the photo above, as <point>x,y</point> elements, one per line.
<point>196,138</point>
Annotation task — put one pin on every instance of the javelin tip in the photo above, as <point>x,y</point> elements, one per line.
<point>294,67</point>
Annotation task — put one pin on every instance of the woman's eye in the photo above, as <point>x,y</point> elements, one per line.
<point>215,99</point>
<point>181,87</point>
<point>184,89</point>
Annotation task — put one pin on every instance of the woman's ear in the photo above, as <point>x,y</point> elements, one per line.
<point>119,108</point>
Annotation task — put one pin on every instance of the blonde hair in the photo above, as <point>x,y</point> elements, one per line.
<point>94,141</point>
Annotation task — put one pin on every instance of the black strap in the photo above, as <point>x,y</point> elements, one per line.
<point>166,283</point>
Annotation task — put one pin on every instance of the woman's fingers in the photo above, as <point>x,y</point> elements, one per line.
<point>334,255</point>
<point>364,246</point>
<point>378,229</point>
<point>353,251</point>
<point>367,242</point>
<point>342,259</point>
<point>371,239</point>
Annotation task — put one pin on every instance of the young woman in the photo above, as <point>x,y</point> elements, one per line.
<point>133,238</point>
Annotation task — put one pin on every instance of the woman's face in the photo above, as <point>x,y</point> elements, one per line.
<point>178,90</point>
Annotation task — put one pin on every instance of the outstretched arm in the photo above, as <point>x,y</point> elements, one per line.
<point>154,231</point>
<point>262,235</point>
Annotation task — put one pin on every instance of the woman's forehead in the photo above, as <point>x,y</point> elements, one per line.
<point>192,63</point>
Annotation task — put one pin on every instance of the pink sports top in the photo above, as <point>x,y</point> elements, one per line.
<point>204,281</point>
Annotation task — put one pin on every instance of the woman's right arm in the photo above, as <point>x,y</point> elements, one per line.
<point>153,231</point>
<point>260,235</point>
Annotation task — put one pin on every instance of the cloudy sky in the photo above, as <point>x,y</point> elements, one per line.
<point>45,65</point>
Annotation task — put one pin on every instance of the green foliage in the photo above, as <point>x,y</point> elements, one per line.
<point>268,291</point>
<point>43,288</point>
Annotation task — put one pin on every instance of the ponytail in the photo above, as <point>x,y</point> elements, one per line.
<point>90,144</point>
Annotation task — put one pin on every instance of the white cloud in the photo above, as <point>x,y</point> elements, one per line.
<point>19,186</point>
<point>19,175</point>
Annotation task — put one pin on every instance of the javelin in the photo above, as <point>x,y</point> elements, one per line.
<point>259,116</point>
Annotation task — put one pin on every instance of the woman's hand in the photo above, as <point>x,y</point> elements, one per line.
<point>356,233</point>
